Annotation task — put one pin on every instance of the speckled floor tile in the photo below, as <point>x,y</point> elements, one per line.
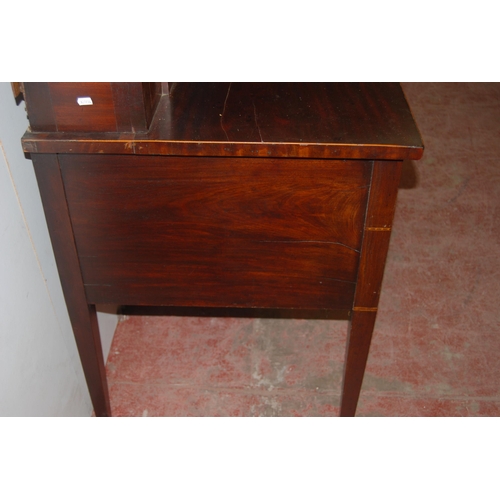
<point>208,366</point>
<point>436,341</point>
<point>380,405</point>
<point>129,400</point>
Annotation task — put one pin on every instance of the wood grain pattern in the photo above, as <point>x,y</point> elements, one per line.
<point>122,107</point>
<point>380,210</point>
<point>205,231</point>
<point>83,317</point>
<point>299,120</point>
<point>381,205</point>
<point>140,144</point>
<point>341,113</point>
<point>371,268</point>
<point>135,105</point>
<point>385,181</point>
<point>122,104</point>
<point>71,117</point>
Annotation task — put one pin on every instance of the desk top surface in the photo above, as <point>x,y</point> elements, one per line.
<point>301,120</point>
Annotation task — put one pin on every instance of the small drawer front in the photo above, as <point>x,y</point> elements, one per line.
<point>217,231</point>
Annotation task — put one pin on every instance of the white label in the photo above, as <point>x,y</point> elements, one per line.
<point>84,101</point>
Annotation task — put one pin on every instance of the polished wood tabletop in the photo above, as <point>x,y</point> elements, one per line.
<point>303,120</point>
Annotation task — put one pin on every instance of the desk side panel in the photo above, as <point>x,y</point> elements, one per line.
<point>217,232</point>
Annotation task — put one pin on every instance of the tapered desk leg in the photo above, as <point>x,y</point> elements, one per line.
<point>359,337</point>
<point>82,315</point>
<point>377,232</point>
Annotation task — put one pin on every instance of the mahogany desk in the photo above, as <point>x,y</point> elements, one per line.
<point>220,195</point>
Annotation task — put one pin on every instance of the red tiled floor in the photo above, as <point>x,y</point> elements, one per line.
<point>226,366</point>
<point>436,341</point>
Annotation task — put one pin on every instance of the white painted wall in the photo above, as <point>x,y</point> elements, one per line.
<point>40,370</point>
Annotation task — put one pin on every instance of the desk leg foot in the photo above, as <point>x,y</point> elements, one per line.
<point>88,341</point>
<point>359,337</point>
<point>94,367</point>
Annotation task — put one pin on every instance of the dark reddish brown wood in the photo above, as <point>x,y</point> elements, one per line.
<point>71,117</point>
<point>116,108</point>
<point>301,120</point>
<point>381,204</point>
<point>212,232</point>
<point>122,103</point>
<point>83,316</point>
<point>136,108</point>
<point>385,182</point>
<point>246,294</point>
<point>371,268</point>
<point>341,113</point>
<point>359,336</point>
<point>152,92</point>
<point>39,107</point>
<point>136,144</point>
